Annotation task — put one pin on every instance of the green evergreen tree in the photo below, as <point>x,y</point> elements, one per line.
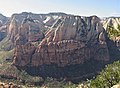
<point>113,33</point>
<point>108,77</point>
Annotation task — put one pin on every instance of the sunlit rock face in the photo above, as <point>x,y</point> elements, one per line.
<point>23,28</point>
<point>70,40</point>
<point>113,22</point>
<point>29,27</point>
<point>29,31</point>
<point>116,86</point>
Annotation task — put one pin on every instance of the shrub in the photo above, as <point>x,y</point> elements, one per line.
<point>107,77</point>
<point>112,32</point>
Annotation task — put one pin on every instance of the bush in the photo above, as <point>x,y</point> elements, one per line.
<point>53,83</point>
<point>112,32</point>
<point>108,77</point>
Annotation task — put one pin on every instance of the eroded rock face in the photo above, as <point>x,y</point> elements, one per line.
<point>3,19</point>
<point>76,28</point>
<point>29,27</point>
<point>28,31</point>
<point>24,53</point>
<point>3,27</point>
<point>70,40</point>
<point>3,32</point>
<point>118,42</point>
<point>111,21</point>
<point>114,23</point>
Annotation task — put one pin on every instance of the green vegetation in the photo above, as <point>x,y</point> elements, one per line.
<point>107,77</point>
<point>6,44</point>
<point>28,79</point>
<point>6,56</point>
<point>53,83</point>
<point>113,33</point>
<point>12,74</point>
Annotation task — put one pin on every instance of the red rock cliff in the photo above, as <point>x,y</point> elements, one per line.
<point>70,40</point>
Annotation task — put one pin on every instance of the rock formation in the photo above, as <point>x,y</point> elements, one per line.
<point>3,32</point>
<point>9,85</point>
<point>29,27</point>
<point>3,27</point>
<point>116,86</point>
<point>70,40</point>
<point>113,22</point>
<point>28,30</point>
<point>3,19</point>
<point>63,41</point>
<point>24,53</point>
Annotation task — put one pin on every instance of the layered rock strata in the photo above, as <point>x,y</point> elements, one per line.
<point>70,40</point>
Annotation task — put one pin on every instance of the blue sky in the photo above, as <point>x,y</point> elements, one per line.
<point>101,8</point>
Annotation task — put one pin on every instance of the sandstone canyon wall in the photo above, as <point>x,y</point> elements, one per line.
<point>70,40</point>
<point>56,38</point>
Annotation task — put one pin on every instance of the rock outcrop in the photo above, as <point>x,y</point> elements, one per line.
<point>111,21</point>
<point>9,85</point>
<point>3,27</point>
<point>24,53</point>
<point>28,30</point>
<point>116,86</point>
<point>3,19</point>
<point>70,40</point>
<point>3,32</point>
<point>29,27</point>
<point>114,23</point>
